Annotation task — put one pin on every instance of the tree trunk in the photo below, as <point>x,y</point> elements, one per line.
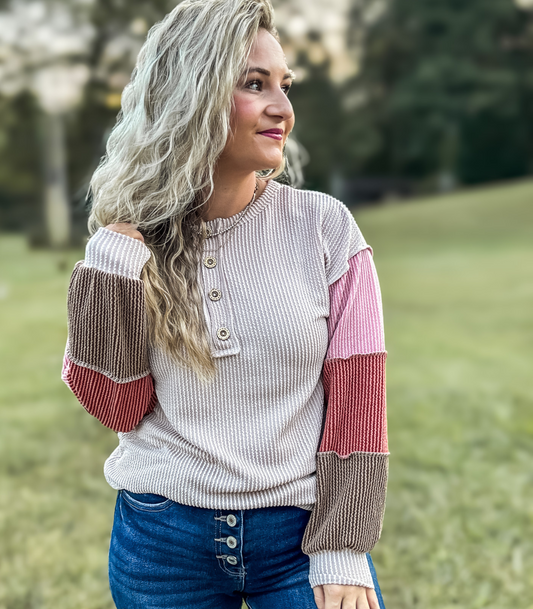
<point>56,200</point>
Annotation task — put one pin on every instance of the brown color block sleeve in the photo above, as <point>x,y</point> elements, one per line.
<point>350,503</point>
<point>106,324</point>
<point>106,362</point>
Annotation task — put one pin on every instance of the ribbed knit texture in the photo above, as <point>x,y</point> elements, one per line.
<point>350,502</point>
<point>116,253</point>
<point>355,324</point>
<point>352,461</point>
<point>294,282</point>
<point>119,406</point>
<point>343,567</point>
<point>355,394</point>
<point>107,329</point>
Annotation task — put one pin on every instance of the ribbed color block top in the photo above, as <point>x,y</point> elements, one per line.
<point>296,413</point>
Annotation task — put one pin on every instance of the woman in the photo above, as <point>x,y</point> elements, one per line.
<point>229,328</point>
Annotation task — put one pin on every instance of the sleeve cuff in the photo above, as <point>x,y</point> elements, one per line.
<point>116,253</point>
<point>344,567</point>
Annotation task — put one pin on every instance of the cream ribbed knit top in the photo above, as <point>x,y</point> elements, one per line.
<point>252,437</point>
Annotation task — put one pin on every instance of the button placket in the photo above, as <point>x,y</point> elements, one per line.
<point>229,546</point>
<point>217,301</point>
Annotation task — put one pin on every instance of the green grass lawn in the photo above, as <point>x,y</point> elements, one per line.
<point>457,280</point>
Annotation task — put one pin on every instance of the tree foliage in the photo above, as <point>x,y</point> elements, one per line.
<point>445,88</point>
<point>318,124</point>
<point>119,30</point>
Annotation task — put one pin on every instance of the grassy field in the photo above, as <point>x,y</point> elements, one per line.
<point>457,281</point>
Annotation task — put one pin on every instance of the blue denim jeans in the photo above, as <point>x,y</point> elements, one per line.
<point>165,555</point>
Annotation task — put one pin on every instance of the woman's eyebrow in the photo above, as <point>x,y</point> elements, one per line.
<point>289,74</point>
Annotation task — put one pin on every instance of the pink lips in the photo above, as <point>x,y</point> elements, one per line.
<point>276,134</point>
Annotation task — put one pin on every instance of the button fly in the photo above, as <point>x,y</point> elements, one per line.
<point>231,520</point>
<point>215,294</point>
<point>232,560</point>
<point>232,542</point>
<point>210,262</point>
<point>223,333</point>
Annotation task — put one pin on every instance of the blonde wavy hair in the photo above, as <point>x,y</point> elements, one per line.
<point>161,155</point>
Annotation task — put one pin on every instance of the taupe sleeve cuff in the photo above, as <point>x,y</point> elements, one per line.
<point>344,567</point>
<point>116,253</point>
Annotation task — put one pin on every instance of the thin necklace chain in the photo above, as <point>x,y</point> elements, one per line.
<point>243,213</point>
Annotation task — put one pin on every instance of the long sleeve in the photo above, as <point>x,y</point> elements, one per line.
<point>105,363</point>
<point>352,460</point>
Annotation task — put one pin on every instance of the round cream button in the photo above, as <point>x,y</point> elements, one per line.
<point>232,560</point>
<point>232,542</point>
<point>223,333</point>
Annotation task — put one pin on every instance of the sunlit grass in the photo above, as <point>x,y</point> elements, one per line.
<point>457,281</point>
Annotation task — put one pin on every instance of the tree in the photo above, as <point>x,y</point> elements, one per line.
<point>74,57</point>
<point>318,123</point>
<point>444,92</point>
<point>43,50</point>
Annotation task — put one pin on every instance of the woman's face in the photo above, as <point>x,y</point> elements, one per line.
<point>260,104</point>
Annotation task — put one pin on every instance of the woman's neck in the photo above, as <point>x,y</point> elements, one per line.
<point>231,195</point>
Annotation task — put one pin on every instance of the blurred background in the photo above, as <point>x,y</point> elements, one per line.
<point>418,115</point>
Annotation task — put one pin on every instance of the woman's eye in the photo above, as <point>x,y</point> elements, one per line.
<point>259,83</point>
<point>254,82</point>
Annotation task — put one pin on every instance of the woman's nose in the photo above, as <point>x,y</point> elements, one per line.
<point>280,106</point>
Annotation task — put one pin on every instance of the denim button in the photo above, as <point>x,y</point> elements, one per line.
<point>232,560</point>
<point>210,262</point>
<point>215,294</point>
<point>231,541</point>
<point>231,520</point>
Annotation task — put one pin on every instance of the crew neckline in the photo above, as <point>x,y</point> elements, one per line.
<point>268,194</point>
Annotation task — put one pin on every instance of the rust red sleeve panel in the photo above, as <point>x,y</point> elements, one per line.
<point>352,460</point>
<point>106,363</point>
<point>355,416</point>
<point>119,406</point>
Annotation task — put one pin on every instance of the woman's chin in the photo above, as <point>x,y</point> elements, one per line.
<point>269,164</point>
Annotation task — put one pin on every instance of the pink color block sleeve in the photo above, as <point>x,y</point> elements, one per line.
<point>354,370</point>
<point>355,323</point>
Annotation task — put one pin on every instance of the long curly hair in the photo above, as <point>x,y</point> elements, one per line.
<point>161,155</point>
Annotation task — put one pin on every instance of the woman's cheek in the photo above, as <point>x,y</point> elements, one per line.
<point>246,111</point>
